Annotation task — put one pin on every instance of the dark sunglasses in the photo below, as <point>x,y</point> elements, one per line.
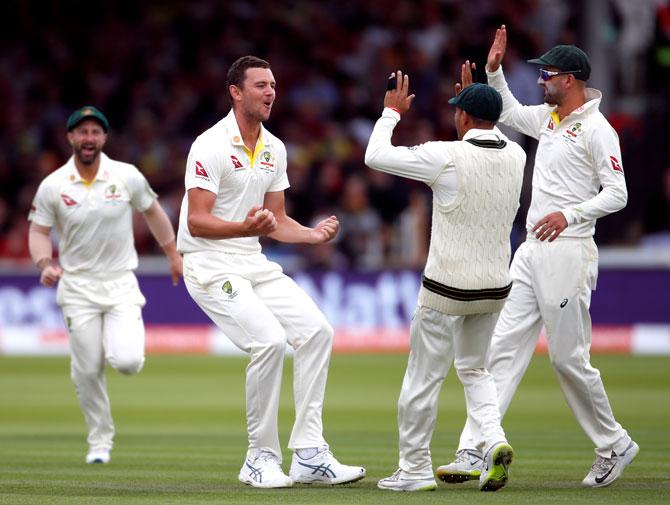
<point>545,75</point>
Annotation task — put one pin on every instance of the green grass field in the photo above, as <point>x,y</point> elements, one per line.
<point>181,435</point>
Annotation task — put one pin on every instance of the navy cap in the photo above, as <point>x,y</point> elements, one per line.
<point>87,112</point>
<point>479,100</point>
<point>566,59</point>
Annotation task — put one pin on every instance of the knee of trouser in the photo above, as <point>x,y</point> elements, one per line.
<point>567,365</point>
<point>127,365</point>
<point>472,375</point>
<point>85,374</point>
<point>321,336</point>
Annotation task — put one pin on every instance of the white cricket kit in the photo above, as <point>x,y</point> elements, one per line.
<point>98,293</point>
<point>248,297</point>
<point>476,185</point>
<point>553,280</point>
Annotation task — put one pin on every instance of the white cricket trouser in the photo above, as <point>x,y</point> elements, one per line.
<point>437,340</point>
<point>552,286</point>
<point>260,309</point>
<point>103,317</point>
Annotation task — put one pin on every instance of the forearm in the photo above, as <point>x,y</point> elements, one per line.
<point>610,200</point>
<point>39,244</point>
<point>212,227</point>
<point>420,163</point>
<point>525,119</point>
<point>159,224</point>
<point>290,231</point>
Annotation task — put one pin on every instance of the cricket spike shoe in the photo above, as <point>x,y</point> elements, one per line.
<point>467,466</point>
<point>98,456</point>
<point>263,470</point>
<point>606,470</point>
<point>323,468</point>
<point>496,467</point>
<point>404,481</point>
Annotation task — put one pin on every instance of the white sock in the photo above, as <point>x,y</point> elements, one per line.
<point>308,453</point>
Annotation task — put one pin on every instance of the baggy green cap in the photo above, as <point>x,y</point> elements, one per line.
<point>479,100</point>
<point>87,112</point>
<point>566,59</point>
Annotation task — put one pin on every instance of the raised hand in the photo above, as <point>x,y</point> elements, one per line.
<point>497,51</point>
<point>466,76</point>
<point>398,98</point>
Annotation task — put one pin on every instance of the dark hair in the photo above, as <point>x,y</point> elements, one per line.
<point>482,123</point>
<point>237,71</point>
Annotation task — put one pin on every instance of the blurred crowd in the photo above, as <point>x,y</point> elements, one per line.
<point>158,71</point>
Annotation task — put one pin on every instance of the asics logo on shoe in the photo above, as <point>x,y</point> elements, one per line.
<point>255,473</point>
<point>323,470</point>
<point>600,480</point>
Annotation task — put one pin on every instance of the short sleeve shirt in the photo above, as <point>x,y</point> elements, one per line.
<point>220,163</point>
<point>93,220</point>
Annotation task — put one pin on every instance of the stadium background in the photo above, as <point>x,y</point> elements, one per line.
<point>157,69</point>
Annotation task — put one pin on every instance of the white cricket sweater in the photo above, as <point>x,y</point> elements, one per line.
<point>467,271</point>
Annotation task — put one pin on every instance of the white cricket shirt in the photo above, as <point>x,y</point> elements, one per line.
<point>93,220</point>
<point>220,162</point>
<point>575,158</point>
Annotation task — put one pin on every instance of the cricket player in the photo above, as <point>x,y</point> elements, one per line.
<point>90,201</point>
<point>555,269</point>
<point>235,181</point>
<point>476,183</point>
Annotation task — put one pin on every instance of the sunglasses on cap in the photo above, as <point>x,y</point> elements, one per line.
<point>545,75</point>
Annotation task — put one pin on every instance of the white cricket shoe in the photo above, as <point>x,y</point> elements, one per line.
<point>467,466</point>
<point>96,456</point>
<point>263,470</point>
<point>606,470</point>
<point>323,468</point>
<point>496,467</point>
<point>405,481</point>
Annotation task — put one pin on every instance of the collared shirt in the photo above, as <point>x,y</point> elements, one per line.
<point>575,158</point>
<point>431,162</point>
<point>220,162</point>
<point>93,220</point>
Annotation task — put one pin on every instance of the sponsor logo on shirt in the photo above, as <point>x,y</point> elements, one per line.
<point>550,126</point>
<point>112,193</point>
<point>200,171</point>
<point>616,166</point>
<point>67,200</point>
<point>237,164</point>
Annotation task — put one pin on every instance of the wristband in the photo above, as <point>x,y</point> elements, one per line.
<point>395,109</point>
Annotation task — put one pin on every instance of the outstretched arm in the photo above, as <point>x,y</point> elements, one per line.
<point>290,231</point>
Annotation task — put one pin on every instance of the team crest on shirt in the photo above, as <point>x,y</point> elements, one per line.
<point>267,161</point>
<point>112,193</point>
<point>69,201</point>
<point>227,288</point>
<point>573,132</point>
<point>200,171</point>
